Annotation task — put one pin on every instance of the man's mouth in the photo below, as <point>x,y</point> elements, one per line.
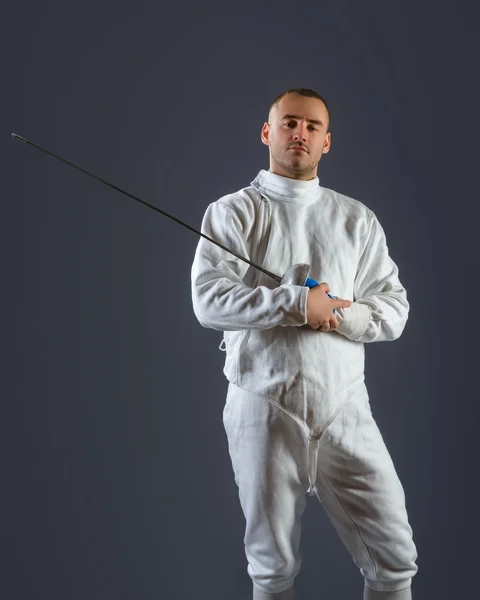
<point>297,148</point>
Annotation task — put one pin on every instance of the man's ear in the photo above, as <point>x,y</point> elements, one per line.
<point>327,143</point>
<point>265,135</point>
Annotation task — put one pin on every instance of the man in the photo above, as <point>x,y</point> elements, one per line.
<point>297,414</point>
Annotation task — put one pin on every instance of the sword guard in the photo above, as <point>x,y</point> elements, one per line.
<point>296,274</point>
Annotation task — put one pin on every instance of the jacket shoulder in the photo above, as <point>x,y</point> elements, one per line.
<point>242,203</point>
<point>348,204</point>
<point>356,216</point>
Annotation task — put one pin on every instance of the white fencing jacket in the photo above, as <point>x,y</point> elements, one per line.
<point>270,350</point>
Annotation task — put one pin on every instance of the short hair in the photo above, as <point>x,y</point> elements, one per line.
<point>308,93</point>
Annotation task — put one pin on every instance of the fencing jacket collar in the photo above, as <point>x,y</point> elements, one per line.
<point>285,189</point>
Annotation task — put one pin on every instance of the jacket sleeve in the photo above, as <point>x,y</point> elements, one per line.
<point>221,300</point>
<point>380,308</point>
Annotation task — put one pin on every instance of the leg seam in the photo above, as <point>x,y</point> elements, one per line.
<point>352,521</point>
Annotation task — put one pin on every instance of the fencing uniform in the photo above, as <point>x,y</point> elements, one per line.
<point>297,414</point>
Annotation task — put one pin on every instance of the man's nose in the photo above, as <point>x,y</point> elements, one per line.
<point>300,132</point>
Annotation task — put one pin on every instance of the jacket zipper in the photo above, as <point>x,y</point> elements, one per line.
<point>262,240</point>
<point>260,231</point>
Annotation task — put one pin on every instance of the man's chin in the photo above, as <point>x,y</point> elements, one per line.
<point>298,166</point>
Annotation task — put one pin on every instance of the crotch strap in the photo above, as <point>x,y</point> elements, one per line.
<point>312,456</point>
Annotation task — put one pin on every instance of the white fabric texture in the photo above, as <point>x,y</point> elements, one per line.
<point>405,594</point>
<point>306,382</point>
<point>285,595</point>
<point>356,484</point>
<point>270,350</point>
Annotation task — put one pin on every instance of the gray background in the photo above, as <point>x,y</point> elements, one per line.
<point>116,479</point>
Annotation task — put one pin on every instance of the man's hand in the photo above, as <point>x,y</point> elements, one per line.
<point>320,307</point>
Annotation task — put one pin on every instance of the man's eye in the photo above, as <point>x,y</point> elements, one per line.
<point>293,124</point>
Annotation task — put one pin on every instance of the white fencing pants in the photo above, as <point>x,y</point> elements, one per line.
<point>356,483</point>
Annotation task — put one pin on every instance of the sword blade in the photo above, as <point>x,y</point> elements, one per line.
<point>115,187</point>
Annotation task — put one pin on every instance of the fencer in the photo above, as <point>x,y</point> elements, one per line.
<point>297,414</point>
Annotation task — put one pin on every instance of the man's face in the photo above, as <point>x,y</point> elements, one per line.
<point>297,136</point>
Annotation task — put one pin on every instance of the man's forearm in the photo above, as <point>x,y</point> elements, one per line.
<point>228,306</point>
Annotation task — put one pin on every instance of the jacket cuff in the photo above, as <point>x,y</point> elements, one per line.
<point>354,320</point>
<point>297,316</point>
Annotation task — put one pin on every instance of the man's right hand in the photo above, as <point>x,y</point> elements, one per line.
<point>320,307</point>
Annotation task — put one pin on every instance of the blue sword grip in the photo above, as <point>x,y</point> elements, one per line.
<point>311,283</point>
